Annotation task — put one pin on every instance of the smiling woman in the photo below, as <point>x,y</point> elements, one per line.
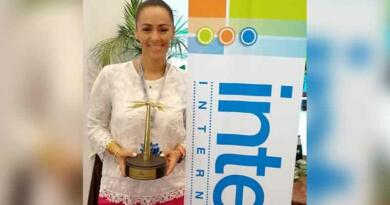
<point>154,30</point>
<point>116,132</point>
<point>123,46</point>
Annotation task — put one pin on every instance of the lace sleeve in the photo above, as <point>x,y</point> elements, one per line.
<point>183,81</point>
<point>99,114</point>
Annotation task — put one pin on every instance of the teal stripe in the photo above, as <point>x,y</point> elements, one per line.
<point>270,46</point>
<point>271,27</point>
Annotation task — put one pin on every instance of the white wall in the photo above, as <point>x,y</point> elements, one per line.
<point>100,20</point>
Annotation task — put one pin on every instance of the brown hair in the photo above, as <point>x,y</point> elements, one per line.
<point>159,3</point>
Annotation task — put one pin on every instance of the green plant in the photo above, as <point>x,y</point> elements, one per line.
<point>300,169</point>
<point>124,46</point>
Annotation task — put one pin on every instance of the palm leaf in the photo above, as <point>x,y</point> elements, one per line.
<point>124,46</point>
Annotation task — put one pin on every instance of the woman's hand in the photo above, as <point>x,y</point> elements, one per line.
<point>121,159</point>
<point>172,157</point>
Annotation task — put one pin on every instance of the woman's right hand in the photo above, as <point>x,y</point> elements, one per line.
<point>121,159</point>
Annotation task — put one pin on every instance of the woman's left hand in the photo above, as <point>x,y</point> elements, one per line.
<point>172,157</point>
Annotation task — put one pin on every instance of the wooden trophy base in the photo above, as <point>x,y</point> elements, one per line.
<point>138,168</point>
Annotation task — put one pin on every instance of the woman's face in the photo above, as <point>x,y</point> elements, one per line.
<point>154,31</point>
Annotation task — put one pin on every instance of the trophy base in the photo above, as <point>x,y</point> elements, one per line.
<point>138,168</point>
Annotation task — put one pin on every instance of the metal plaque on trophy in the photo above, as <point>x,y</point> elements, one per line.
<point>146,166</point>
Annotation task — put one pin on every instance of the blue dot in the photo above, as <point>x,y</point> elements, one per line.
<point>248,36</point>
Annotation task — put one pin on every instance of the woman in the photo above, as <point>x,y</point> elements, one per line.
<point>116,132</point>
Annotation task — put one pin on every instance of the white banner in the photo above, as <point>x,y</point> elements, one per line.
<point>243,117</point>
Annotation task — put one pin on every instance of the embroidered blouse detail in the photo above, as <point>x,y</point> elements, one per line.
<point>109,117</point>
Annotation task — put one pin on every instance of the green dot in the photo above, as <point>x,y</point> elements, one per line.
<point>205,35</point>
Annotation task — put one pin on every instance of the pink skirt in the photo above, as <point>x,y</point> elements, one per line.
<point>178,201</point>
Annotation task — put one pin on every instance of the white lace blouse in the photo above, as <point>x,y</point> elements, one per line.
<point>109,117</point>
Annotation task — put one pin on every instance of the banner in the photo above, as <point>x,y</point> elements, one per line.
<point>246,65</point>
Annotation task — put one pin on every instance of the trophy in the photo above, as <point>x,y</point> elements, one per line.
<point>146,166</point>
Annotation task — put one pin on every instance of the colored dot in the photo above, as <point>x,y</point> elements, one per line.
<point>248,36</point>
<point>205,35</point>
<point>226,36</point>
